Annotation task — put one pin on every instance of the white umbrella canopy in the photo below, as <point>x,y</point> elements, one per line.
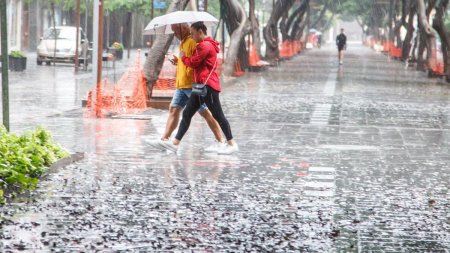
<point>161,24</point>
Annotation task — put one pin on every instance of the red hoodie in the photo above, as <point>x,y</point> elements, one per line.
<point>202,61</point>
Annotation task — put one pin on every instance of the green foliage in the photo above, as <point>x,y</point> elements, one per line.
<point>23,159</point>
<point>136,5</point>
<point>17,54</point>
<point>214,8</point>
<point>140,6</point>
<point>349,9</point>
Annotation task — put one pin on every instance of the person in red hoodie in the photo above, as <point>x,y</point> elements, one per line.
<point>204,62</point>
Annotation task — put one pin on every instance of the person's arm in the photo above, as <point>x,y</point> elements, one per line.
<point>197,57</point>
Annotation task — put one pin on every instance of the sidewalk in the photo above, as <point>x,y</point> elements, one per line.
<point>332,159</point>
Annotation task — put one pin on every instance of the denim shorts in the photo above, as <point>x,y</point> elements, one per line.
<point>181,97</point>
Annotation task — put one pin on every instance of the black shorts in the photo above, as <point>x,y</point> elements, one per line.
<point>340,48</point>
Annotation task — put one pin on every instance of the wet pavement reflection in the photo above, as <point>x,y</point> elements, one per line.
<point>350,158</point>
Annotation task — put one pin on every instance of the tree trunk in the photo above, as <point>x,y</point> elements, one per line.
<point>299,24</point>
<point>427,31</point>
<point>397,37</point>
<point>238,25</point>
<point>321,15</point>
<point>193,4</point>
<point>271,29</point>
<point>409,28</point>
<point>414,48</point>
<point>391,21</point>
<point>283,27</point>
<point>256,39</point>
<point>438,25</point>
<point>156,55</point>
<point>295,19</point>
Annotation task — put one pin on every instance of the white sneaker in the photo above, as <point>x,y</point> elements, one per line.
<point>156,144</point>
<point>215,147</point>
<point>228,149</point>
<point>168,144</point>
<point>341,62</point>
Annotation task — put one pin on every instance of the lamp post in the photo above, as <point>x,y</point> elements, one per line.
<point>5,81</point>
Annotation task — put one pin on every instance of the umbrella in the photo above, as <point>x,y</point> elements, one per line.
<point>161,24</point>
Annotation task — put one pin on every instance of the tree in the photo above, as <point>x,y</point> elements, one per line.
<point>238,25</point>
<point>427,35</point>
<point>408,9</point>
<point>256,39</point>
<point>297,21</point>
<point>271,29</point>
<point>439,26</point>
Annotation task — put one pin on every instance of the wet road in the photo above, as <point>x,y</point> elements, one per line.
<point>351,158</point>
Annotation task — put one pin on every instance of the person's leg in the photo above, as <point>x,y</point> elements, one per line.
<point>213,102</point>
<point>191,108</point>
<point>212,123</point>
<point>172,121</point>
<point>179,101</point>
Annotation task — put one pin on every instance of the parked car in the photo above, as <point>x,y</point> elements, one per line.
<point>64,38</point>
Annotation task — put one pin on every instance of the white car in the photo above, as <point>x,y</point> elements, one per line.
<point>64,38</point>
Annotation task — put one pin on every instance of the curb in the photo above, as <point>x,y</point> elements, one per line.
<point>63,163</point>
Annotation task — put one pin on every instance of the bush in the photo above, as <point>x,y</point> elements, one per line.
<point>17,54</point>
<point>23,159</point>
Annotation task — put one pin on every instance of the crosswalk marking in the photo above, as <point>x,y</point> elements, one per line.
<point>321,114</point>
<point>319,193</point>
<point>322,169</point>
<point>320,182</point>
<point>330,85</point>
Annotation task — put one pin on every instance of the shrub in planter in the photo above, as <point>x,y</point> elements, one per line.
<point>117,50</point>
<point>23,159</point>
<point>17,61</point>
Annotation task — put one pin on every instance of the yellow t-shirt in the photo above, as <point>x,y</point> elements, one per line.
<point>185,75</point>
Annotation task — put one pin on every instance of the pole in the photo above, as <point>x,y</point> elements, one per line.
<point>77,17</point>
<point>95,37</point>
<point>85,55</point>
<point>99,58</point>
<point>54,30</point>
<point>5,80</point>
<point>205,3</point>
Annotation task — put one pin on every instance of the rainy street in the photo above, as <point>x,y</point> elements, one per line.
<point>333,158</point>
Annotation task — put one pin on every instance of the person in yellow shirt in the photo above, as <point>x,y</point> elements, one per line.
<point>184,79</point>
